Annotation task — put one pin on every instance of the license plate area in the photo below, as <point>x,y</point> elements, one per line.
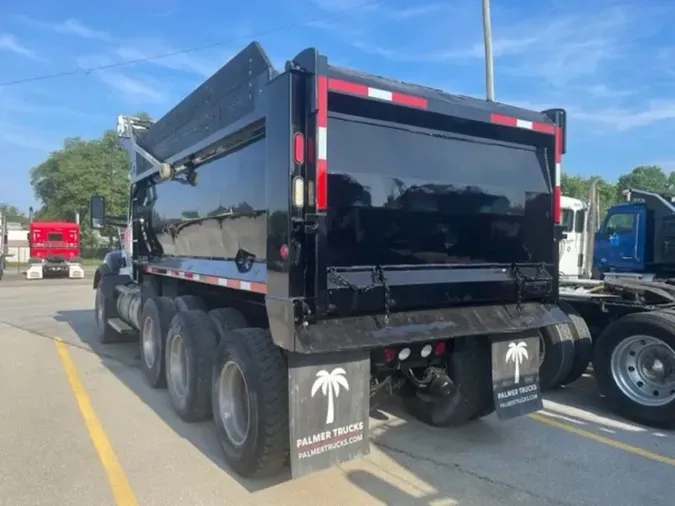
<point>515,374</point>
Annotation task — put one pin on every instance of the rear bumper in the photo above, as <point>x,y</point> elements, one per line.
<point>405,327</point>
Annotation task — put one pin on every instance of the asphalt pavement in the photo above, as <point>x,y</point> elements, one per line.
<point>79,426</point>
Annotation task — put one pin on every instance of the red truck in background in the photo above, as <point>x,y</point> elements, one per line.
<point>54,250</point>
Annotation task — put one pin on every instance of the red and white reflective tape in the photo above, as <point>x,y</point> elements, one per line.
<point>500,119</point>
<point>557,190</point>
<point>366,91</point>
<point>321,143</point>
<point>235,284</point>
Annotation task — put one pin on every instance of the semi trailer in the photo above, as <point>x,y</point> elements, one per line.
<point>299,242</point>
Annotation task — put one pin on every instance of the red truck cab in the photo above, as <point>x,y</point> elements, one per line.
<point>54,241</point>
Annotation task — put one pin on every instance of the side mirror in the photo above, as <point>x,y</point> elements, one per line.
<point>97,212</point>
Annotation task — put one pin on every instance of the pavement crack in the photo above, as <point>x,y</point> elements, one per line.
<point>457,467</point>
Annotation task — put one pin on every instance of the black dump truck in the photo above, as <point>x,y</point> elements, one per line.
<point>301,242</point>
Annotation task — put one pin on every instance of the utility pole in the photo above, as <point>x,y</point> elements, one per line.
<point>489,68</point>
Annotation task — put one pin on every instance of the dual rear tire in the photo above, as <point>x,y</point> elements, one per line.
<point>213,364</point>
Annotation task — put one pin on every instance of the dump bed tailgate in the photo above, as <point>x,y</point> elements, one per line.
<point>429,210</point>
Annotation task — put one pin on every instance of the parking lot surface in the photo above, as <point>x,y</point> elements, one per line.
<point>79,426</point>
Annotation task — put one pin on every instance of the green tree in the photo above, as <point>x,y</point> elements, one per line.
<point>13,213</point>
<point>64,182</point>
<point>574,186</point>
<point>645,177</point>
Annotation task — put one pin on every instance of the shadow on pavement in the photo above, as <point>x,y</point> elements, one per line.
<point>422,466</point>
<point>123,360</point>
<point>389,430</point>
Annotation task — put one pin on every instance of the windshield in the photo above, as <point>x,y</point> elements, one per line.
<point>568,219</point>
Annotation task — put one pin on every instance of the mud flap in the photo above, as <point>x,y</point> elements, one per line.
<point>329,396</point>
<point>515,374</point>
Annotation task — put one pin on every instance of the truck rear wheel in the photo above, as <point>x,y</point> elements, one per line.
<point>583,345</point>
<point>155,321</point>
<point>250,402</point>
<point>634,364</point>
<point>188,302</point>
<point>226,319</point>
<point>190,344</point>
<point>557,355</point>
<point>469,367</point>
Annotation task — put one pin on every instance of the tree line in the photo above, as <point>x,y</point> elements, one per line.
<point>644,177</point>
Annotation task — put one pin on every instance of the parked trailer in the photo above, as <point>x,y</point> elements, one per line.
<point>298,242</point>
<point>632,324</point>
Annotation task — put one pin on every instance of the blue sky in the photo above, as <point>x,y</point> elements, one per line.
<point>611,64</point>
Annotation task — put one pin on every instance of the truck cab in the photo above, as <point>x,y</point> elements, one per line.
<point>620,241</point>
<point>574,239</point>
<point>54,250</point>
<point>637,237</point>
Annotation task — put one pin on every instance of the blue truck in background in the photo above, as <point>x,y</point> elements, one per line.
<point>637,238</point>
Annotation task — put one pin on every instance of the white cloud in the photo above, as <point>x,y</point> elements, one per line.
<point>133,90</point>
<point>35,105</point>
<point>70,26</point>
<point>17,135</point>
<point>185,62</point>
<point>10,43</point>
<point>75,27</point>
<point>136,90</point>
<point>602,90</point>
<point>624,119</point>
<point>151,50</point>
<point>554,47</point>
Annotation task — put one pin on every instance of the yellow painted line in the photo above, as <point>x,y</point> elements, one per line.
<point>119,484</point>
<point>635,450</point>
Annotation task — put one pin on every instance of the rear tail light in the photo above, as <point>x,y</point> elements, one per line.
<point>298,192</point>
<point>439,348</point>
<point>389,355</point>
<point>426,350</point>
<point>299,148</point>
<point>404,354</point>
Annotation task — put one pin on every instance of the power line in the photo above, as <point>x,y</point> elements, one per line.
<point>194,49</point>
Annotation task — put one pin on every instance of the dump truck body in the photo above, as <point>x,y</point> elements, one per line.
<point>356,234</point>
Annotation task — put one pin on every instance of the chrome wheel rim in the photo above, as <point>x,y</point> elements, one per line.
<point>99,309</point>
<point>148,341</point>
<point>178,365</point>
<point>233,403</point>
<point>643,368</point>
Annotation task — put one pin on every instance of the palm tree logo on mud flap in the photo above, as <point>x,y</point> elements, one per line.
<point>329,383</point>
<point>516,354</point>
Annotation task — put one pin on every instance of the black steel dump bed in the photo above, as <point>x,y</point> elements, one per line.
<point>414,199</point>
